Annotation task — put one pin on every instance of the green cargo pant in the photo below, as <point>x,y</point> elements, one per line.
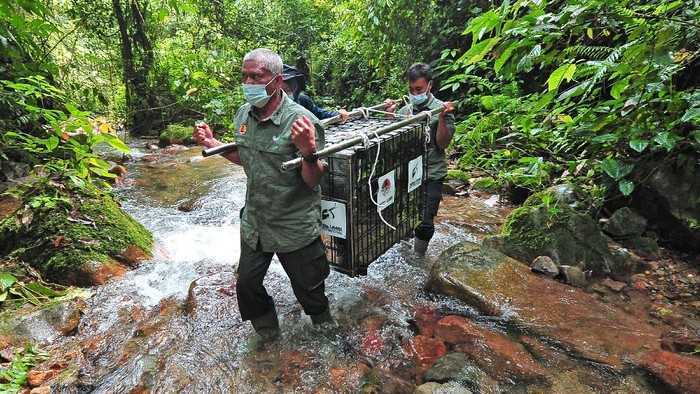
<point>307,269</point>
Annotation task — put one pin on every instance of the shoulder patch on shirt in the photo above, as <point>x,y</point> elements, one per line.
<point>243,128</point>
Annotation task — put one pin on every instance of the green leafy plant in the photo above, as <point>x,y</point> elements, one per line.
<point>14,376</point>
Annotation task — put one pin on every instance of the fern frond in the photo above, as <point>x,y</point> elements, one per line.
<point>588,52</point>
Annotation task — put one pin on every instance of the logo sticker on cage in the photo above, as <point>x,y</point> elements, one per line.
<point>387,190</point>
<point>333,221</point>
<point>415,173</point>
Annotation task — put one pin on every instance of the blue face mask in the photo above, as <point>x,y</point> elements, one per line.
<point>418,99</point>
<point>256,94</point>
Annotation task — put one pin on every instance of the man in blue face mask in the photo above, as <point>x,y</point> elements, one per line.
<point>442,128</point>
<point>282,213</point>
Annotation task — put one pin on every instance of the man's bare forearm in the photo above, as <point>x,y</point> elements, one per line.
<point>443,136</point>
<point>311,173</point>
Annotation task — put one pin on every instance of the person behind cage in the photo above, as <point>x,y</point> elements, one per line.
<point>420,84</point>
<point>282,212</point>
<point>294,85</point>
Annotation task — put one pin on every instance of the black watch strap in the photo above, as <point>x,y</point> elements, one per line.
<point>312,158</point>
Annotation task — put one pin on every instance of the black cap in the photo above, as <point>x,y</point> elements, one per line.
<point>289,72</point>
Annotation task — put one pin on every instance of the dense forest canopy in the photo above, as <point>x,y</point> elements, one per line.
<point>568,90</point>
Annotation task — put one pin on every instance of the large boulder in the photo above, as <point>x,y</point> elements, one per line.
<point>555,223</point>
<point>501,286</point>
<point>85,241</point>
<point>668,195</point>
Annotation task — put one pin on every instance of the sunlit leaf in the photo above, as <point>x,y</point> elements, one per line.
<point>639,145</point>
<point>6,280</point>
<point>563,73</point>
<point>626,187</point>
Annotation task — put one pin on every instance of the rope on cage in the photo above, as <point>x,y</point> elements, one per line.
<point>429,120</point>
<point>366,143</point>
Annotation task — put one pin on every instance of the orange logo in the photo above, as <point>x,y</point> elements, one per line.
<point>243,128</point>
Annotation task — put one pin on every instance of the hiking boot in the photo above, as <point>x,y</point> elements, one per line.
<point>262,338</point>
<point>323,318</point>
<point>420,246</point>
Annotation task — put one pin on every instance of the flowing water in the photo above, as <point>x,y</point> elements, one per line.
<point>172,325</point>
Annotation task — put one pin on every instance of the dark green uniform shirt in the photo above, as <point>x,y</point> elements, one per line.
<point>437,162</point>
<point>281,211</point>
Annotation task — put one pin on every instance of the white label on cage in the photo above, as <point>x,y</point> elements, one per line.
<point>333,221</point>
<point>387,189</point>
<point>415,173</point>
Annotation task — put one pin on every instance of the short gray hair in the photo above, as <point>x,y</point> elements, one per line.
<point>269,59</point>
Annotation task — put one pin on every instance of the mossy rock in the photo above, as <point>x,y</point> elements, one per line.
<point>555,223</point>
<point>458,175</point>
<point>83,245</point>
<point>176,134</point>
<point>486,184</point>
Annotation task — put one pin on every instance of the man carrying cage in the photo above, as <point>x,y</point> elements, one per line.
<point>282,212</point>
<point>420,83</point>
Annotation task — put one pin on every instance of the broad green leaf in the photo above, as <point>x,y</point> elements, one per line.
<point>666,140</point>
<point>117,143</point>
<point>482,25</point>
<point>43,290</point>
<point>564,72</point>
<point>477,52</point>
<point>691,115</point>
<point>667,7</point>
<point>614,169</point>
<point>639,145</point>
<point>589,33</point>
<point>626,187</point>
<point>6,280</point>
<point>505,55</point>
<point>610,137</point>
<point>619,87</point>
<point>51,143</point>
<point>566,118</point>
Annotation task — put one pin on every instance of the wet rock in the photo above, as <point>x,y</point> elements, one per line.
<point>437,388</point>
<point>453,186</point>
<point>493,352</point>
<point>8,205</point>
<point>625,223</point>
<point>613,285</point>
<point>187,206</point>
<point>454,366</point>
<point>41,390</point>
<point>553,223</point>
<point>95,273</point>
<point>173,149</point>
<point>133,255</point>
<point>545,265</point>
<point>682,373</point>
<point>645,246</point>
<point>381,381</point>
<point>36,378</point>
<point>426,319</point>
<point>348,378</point>
<point>680,341</point>
<point>495,283</point>
<point>152,147</point>
<point>48,323</point>
<point>573,276</point>
<point>118,170</point>
<point>667,195</point>
<point>425,351</point>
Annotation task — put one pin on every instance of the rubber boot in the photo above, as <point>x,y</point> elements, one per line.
<point>267,330</point>
<point>420,246</point>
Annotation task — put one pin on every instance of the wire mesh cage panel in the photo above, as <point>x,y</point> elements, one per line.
<point>353,231</point>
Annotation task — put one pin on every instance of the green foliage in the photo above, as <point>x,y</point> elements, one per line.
<point>14,292</point>
<point>577,90</point>
<point>14,376</point>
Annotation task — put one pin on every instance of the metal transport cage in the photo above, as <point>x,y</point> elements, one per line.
<point>353,230</point>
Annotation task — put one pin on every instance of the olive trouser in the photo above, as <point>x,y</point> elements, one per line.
<point>307,269</point>
<point>431,203</point>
